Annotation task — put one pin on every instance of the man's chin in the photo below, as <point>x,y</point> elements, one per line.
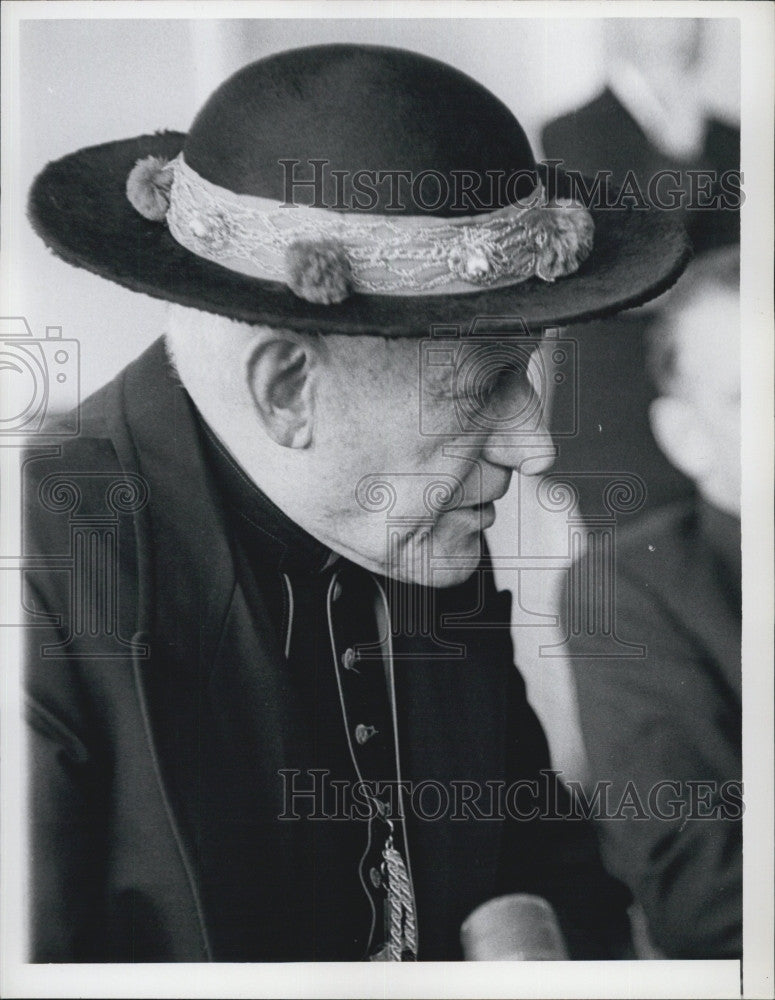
<point>442,579</point>
<point>450,564</point>
<point>438,559</point>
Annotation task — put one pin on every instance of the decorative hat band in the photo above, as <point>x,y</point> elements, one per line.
<point>324,256</point>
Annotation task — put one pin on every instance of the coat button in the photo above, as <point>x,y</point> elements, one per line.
<point>349,659</point>
<point>375,877</point>
<point>364,733</point>
<point>382,808</point>
<point>336,593</point>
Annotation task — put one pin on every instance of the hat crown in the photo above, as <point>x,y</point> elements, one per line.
<point>366,112</point>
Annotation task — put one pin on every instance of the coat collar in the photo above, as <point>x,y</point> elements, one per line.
<point>280,539</point>
<point>154,432</point>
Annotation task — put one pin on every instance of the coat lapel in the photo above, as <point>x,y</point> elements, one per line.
<point>222,718</point>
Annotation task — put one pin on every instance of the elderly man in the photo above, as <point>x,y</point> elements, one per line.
<point>274,712</point>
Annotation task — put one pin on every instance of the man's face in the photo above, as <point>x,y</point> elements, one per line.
<point>412,447</point>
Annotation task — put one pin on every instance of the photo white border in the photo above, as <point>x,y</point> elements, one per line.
<point>579,979</point>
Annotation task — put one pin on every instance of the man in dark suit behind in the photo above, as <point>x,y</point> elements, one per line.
<point>648,119</point>
<point>669,722</point>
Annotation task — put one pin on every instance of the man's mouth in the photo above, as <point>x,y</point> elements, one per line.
<point>485,511</point>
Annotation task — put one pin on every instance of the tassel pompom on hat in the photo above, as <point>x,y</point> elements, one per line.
<point>320,189</point>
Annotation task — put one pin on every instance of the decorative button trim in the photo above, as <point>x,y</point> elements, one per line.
<point>364,733</point>
<point>381,807</point>
<point>349,659</point>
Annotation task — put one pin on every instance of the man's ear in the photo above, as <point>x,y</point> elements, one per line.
<point>681,436</point>
<point>279,373</point>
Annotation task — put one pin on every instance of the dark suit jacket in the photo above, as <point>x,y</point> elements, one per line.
<point>157,741</point>
<point>674,715</point>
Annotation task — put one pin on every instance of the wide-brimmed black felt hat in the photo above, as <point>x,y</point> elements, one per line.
<point>352,189</point>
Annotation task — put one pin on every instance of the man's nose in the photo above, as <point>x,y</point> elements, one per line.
<point>528,449</point>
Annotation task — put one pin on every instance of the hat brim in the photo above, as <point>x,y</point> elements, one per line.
<point>78,206</point>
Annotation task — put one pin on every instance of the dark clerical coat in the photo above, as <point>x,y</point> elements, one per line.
<point>172,712</point>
